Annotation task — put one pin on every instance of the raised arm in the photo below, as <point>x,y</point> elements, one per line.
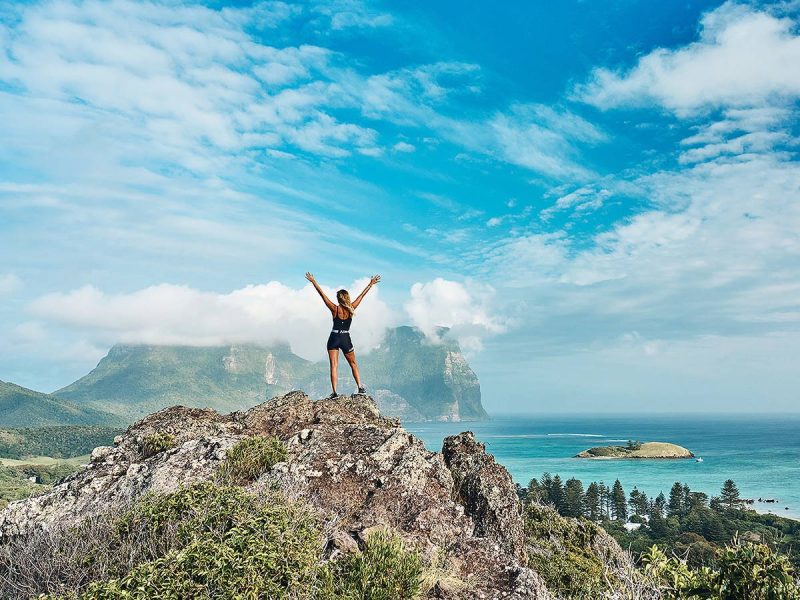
<point>373,280</point>
<point>322,295</point>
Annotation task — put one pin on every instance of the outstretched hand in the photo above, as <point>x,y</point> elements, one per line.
<point>374,279</point>
<point>310,277</point>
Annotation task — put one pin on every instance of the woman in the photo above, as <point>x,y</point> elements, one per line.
<point>340,336</point>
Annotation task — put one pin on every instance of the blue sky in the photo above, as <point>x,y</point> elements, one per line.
<point>602,200</point>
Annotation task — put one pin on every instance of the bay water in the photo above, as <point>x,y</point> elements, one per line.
<point>761,453</point>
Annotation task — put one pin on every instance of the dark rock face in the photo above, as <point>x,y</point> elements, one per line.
<point>486,491</point>
<point>359,469</point>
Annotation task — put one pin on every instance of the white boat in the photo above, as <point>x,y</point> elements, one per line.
<point>698,459</point>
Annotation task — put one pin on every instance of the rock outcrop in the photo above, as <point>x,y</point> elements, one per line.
<point>360,470</point>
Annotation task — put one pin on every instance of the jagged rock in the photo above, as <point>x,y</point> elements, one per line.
<point>487,492</point>
<point>359,469</point>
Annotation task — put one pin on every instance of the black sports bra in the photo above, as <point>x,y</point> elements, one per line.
<point>341,324</point>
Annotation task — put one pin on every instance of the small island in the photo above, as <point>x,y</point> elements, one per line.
<point>651,450</point>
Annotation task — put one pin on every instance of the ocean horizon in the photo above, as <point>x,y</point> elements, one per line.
<point>761,453</point>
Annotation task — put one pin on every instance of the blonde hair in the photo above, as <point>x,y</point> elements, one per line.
<point>343,296</point>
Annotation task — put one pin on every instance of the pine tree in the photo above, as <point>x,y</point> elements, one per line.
<point>687,499</point>
<point>593,509</point>
<point>675,505</point>
<point>730,494</point>
<point>696,500</point>
<point>573,498</point>
<point>534,491</point>
<point>605,500</point>
<point>638,502</point>
<point>619,505</point>
<point>659,505</point>
<point>556,493</point>
<point>545,483</point>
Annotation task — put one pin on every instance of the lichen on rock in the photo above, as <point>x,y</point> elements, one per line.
<point>360,471</point>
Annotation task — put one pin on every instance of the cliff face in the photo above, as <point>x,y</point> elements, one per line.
<point>409,378</point>
<point>359,469</point>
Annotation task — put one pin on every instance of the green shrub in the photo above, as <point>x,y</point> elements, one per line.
<point>230,545</point>
<point>384,570</point>
<point>250,458</point>
<point>156,442</point>
<point>743,570</point>
<point>204,541</point>
<point>559,549</point>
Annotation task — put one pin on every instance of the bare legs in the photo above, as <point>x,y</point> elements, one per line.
<point>351,360</point>
<point>333,357</point>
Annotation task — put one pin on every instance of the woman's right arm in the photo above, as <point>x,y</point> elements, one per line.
<point>322,295</point>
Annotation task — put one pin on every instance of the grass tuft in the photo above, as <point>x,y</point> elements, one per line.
<point>156,443</point>
<point>250,458</point>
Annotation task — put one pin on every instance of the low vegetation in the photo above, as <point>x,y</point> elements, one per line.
<point>693,546</point>
<point>743,570</point>
<point>24,480</point>
<point>205,541</point>
<point>250,458</point>
<point>384,570</point>
<point>58,442</point>
<point>157,442</point>
<point>559,550</point>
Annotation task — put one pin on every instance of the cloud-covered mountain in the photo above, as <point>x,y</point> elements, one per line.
<point>410,377</point>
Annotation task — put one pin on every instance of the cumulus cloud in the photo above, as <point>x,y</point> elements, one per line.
<point>744,57</point>
<point>261,314</point>
<point>172,314</point>
<point>465,308</point>
<point>9,283</point>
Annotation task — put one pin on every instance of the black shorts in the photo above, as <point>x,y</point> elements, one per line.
<point>340,341</point>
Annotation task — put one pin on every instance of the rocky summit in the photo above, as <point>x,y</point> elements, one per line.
<point>359,470</point>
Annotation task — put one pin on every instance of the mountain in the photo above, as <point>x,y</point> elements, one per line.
<point>409,377</point>
<point>317,484</point>
<point>21,407</point>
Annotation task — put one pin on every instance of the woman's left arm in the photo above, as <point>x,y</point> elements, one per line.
<point>373,280</point>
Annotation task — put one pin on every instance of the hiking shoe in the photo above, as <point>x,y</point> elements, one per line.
<point>362,390</point>
<point>333,396</point>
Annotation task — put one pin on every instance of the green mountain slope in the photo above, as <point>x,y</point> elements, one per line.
<point>133,381</point>
<point>409,377</point>
<point>21,407</point>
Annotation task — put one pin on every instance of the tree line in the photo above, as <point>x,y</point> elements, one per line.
<point>600,502</point>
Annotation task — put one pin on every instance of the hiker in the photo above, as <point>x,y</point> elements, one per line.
<point>339,338</point>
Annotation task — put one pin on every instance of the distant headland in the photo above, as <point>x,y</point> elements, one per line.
<point>652,450</point>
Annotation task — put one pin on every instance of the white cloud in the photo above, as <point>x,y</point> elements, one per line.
<point>347,14</point>
<point>584,199</point>
<point>542,139</point>
<point>744,57</point>
<point>190,81</point>
<point>171,314</point>
<point>403,147</point>
<point>465,308</point>
<point>9,284</point>
<point>718,255</point>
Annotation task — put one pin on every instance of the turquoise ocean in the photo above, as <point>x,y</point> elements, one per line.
<point>760,453</point>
